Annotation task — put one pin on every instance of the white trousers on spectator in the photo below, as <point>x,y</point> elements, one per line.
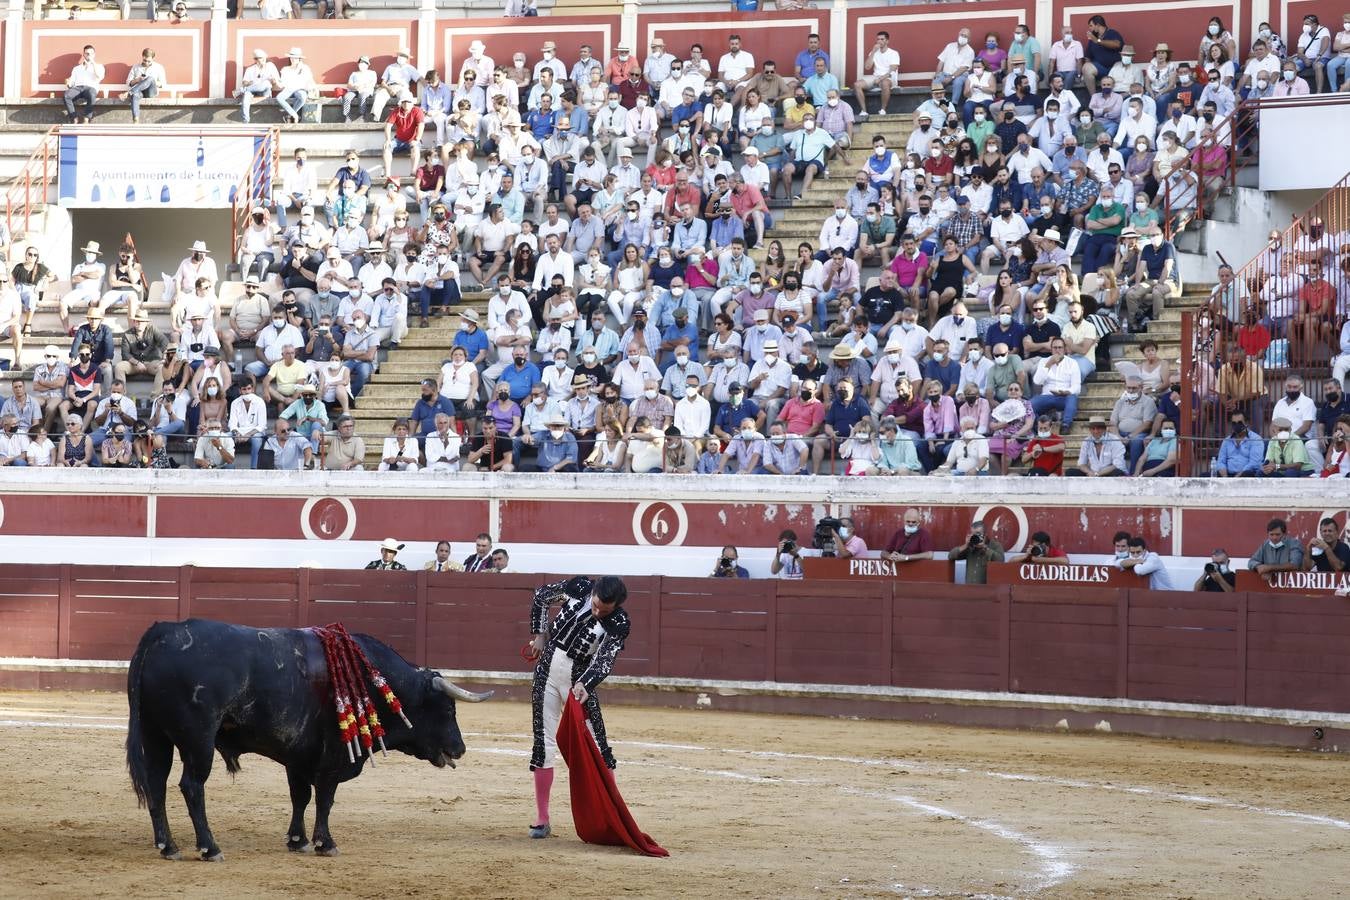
<point>719,300</point>
<point>628,143</point>
<point>437,118</point>
<point>398,467</point>
<point>621,303</point>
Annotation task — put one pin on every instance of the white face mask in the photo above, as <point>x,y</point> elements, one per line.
<point>879,151</point>
<point>962,40</point>
<point>1001,360</point>
<point>833,101</point>
<point>893,357</point>
<point>973,355</point>
<point>691,392</point>
<point>1043,433</point>
<point>840,213</point>
<point>970,434</point>
<point>211,391</point>
<point>756,289</point>
<point>770,359</point>
<point>1005,319</point>
<point>729,362</point>
<point>560,364</point>
<point>90,257</point>
<point>766,129</point>
<point>1261,84</point>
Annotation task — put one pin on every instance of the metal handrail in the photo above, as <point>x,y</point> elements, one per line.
<point>248,192</point>
<point>1298,350</point>
<point>20,192</point>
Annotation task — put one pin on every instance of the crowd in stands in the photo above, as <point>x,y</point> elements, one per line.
<point>643,316</point>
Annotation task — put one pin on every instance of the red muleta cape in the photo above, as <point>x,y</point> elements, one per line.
<point>598,811</point>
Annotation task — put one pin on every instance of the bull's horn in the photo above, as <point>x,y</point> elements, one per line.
<point>442,684</point>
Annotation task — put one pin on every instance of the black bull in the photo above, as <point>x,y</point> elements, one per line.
<point>202,686</point>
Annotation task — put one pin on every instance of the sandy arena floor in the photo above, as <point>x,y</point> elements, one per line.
<point>749,806</point>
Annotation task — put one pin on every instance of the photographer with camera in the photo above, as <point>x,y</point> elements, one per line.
<point>787,561</point>
<point>1218,576</point>
<point>845,539</point>
<point>978,551</point>
<point>1040,547</point>
<point>726,566</point>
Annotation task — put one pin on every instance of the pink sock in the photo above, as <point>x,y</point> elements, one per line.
<point>543,786</point>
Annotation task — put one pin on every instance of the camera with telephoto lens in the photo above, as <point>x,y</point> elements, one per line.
<point>1037,550</point>
<point>976,540</point>
<point>725,565</point>
<point>789,546</point>
<point>823,537</point>
<point>1210,568</point>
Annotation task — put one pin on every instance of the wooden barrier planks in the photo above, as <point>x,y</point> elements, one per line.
<point>29,610</point>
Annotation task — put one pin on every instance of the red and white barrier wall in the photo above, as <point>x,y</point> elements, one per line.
<point>1177,518</point>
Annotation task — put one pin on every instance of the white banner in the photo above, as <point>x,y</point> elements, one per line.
<point>177,170</point>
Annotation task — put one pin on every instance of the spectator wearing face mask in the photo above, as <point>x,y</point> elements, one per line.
<point>1146,564</point>
<point>1278,553</point>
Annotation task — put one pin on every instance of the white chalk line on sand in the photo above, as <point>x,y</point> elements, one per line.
<point>1054,865</point>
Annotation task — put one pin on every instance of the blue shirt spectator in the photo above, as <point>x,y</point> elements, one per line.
<point>843,416</point>
<point>726,229</point>
<point>520,378</point>
<point>688,235</point>
<point>818,88</point>
<point>729,417</point>
<point>806,62</point>
<point>948,372</point>
<point>542,123</point>
<point>684,111</point>
<point>605,343</point>
<point>554,451</point>
<point>674,333</point>
<point>1012,336</point>
<point>473,342</point>
<point>1241,457</point>
<point>424,413</point>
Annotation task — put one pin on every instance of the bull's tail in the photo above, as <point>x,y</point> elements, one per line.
<point>136,759</point>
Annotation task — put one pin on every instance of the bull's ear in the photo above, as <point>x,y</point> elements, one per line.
<point>445,686</point>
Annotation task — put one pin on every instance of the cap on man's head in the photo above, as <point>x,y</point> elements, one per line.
<point>1097,420</point>
<point>761,315</point>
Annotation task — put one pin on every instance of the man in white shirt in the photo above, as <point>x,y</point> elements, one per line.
<point>1061,381</point>
<point>954,64</point>
<point>735,68</point>
<point>640,127</point>
<point>145,79</point>
<point>442,447</point>
<point>1299,410</point>
<point>83,86</point>
<point>693,413</point>
<point>610,126</point>
<point>955,329</point>
<point>360,90</point>
<point>257,81</point>
<point>248,418</point>
<point>1006,230</point>
<point>270,339</point>
<point>296,85</point>
<point>1100,160</point>
<point>884,64</point>
<point>400,77</point>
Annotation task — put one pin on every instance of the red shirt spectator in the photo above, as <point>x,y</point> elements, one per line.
<point>1317,295</point>
<point>1254,338</point>
<point>920,541</point>
<point>801,417</point>
<point>747,198</point>
<point>908,271</point>
<point>677,197</point>
<point>406,123</point>
<point>1047,463</point>
<point>939,168</point>
<point>619,68</point>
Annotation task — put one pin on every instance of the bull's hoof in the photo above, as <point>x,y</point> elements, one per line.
<point>329,850</point>
<point>299,846</point>
<point>212,856</point>
<point>170,853</point>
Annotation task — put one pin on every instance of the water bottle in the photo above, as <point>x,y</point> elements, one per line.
<point>238,364</point>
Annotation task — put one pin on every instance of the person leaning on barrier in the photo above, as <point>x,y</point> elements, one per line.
<point>1145,563</point>
<point>1278,553</point>
<point>1041,547</point>
<point>978,551</point>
